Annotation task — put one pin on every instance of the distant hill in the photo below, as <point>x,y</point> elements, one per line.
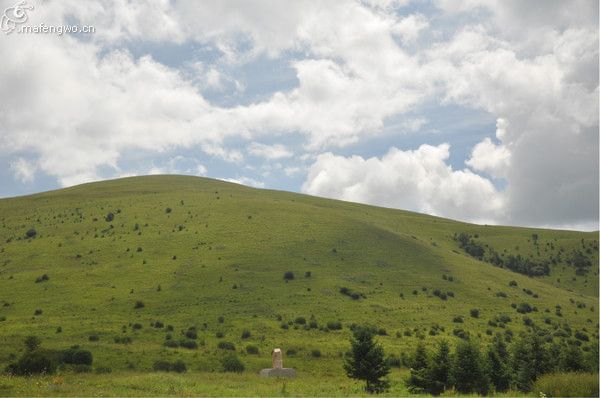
<point>125,259</point>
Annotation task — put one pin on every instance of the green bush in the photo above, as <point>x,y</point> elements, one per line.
<point>42,278</point>
<point>179,366</point>
<point>76,356</point>
<point>139,304</point>
<point>315,353</point>
<point>33,362</point>
<point>288,275</point>
<point>252,349</point>
<point>189,344</point>
<point>31,233</point>
<point>246,334</point>
<point>226,345</point>
<point>474,313</point>
<point>334,325</point>
<point>231,363</point>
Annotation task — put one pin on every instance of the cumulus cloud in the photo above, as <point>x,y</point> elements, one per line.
<point>251,182</point>
<point>418,180</point>
<point>531,65</point>
<point>23,170</point>
<point>276,151</point>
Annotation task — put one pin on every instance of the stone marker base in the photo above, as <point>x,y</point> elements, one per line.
<point>278,372</point>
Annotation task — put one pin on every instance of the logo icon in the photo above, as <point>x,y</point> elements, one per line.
<point>13,16</point>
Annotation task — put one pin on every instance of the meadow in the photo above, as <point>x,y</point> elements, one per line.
<point>144,269</point>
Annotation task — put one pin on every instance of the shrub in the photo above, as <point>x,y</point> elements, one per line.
<point>42,278</point>
<point>226,345</point>
<point>94,337</point>
<point>103,370</point>
<point>512,283</point>
<point>334,325</point>
<point>32,343</point>
<point>168,210</point>
<point>179,366</point>
<point>161,366</point>
<point>189,344</point>
<point>501,294</point>
<point>315,353</point>
<point>246,334</point>
<point>221,319</point>
<point>300,320</point>
<point>474,313</point>
<point>219,335</point>
<point>76,356</point>
<point>171,344</point>
<point>288,275</point>
<point>37,312</point>
<point>191,333</point>
<point>34,362</point>
<point>524,308</point>
<point>307,274</point>
<point>137,326</point>
<point>252,349</point>
<point>109,217</point>
<point>31,233</point>
<point>458,319</point>
<point>231,363</point>
<point>291,352</point>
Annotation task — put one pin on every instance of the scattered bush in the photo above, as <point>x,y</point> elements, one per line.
<point>458,319</point>
<point>246,334</point>
<point>288,275</point>
<point>189,344</point>
<point>226,345</point>
<point>77,356</point>
<point>93,337</point>
<point>42,278</point>
<point>315,353</point>
<point>109,217</point>
<point>31,233</point>
<point>231,363</point>
<point>252,349</point>
<point>191,333</point>
<point>334,325</point>
<point>474,313</point>
<point>139,304</point>
<point>300,320</point>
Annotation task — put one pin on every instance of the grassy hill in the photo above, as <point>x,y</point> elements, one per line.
<point>210,255</point>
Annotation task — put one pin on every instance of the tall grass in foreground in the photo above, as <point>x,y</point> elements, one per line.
<point>568,384</point>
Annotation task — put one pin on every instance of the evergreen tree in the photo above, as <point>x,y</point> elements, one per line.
<point>439,369</point>
<point>418,380</point>
<point>468,372</point>
<point>529,361</point>
<point>367,361</point>
<point>571,359</point>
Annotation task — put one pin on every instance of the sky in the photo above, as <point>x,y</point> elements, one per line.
<point>484,111</point>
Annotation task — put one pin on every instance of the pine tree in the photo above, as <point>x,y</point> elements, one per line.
<point>367,361</point>
<point>571,359</point>
<point>468,372</point>
<point>439,369</point>
<point>419,371</point>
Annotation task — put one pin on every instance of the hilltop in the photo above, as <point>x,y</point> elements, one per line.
<point>122,267</point>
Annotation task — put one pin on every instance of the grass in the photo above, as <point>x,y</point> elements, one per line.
<point>223,250</point>
<point>568,385</point>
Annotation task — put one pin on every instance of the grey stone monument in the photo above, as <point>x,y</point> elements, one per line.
<point>277,370</point>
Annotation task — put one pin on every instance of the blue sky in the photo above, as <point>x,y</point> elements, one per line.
<point>484,111</point>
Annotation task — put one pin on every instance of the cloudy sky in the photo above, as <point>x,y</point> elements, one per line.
<point>478,110</point>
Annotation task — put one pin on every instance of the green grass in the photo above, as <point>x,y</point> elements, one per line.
<point>223,251</point>
<point>568,385</point>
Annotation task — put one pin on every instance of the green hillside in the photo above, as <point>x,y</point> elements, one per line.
<point>210,255</point>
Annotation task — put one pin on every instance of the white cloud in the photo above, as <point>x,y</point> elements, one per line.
<point>271,152</point>
<point>418,180</point>
<point>23,170</point>
<point>532,65</point>
<point>251,182</point>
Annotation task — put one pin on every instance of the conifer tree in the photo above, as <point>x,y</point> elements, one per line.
<point>367,361</point>
<point>439,369</point>
<point>468,372</point>
<point>419,377</point>
<point>497,364</point>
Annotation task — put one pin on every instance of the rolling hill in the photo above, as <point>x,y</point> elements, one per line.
<point>122,267</point>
